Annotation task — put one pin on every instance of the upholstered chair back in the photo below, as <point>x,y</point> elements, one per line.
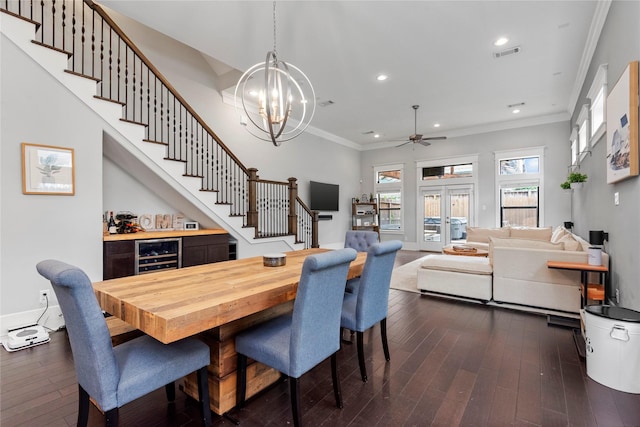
<point>373,290</point>
<point>95,362</point>
<point>318,302</point>
<point>360,240</point>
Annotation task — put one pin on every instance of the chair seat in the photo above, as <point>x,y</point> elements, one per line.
<point>144,361</point>
<point>269,343</point>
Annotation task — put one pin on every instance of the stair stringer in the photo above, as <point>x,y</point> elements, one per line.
<point>124,142</point>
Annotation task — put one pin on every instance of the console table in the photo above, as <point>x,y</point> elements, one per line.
<point>597,289</point>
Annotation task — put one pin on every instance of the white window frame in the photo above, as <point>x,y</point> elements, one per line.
<point>520,179</point>
<point>597,96</point>
<point>390,187</point>
<point>573,140</point>
<point>583,132</point>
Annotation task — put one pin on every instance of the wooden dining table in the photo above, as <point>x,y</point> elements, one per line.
<point>214,302</point>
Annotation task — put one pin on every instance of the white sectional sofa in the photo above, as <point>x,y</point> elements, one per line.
<point>516,270</point>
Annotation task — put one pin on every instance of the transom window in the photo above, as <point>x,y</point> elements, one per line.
<point>447,172</point>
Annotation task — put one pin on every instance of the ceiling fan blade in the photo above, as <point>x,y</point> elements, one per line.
<point>404,143</point>
<point>424,142</point>
<point>434,138</point>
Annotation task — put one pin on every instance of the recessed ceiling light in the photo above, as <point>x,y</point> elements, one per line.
<point>501,41</point>
<point>382,77</point>
<point>436,125</point>
<point>516,111</point>
<point>377,135</point>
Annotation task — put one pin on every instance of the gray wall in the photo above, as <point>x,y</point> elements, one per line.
<point>594,206</point>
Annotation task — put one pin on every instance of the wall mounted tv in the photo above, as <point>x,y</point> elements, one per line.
<point>324,197</point>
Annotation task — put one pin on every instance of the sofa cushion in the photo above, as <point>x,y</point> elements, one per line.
<point>557,233</point>
<point>570,242</point>
<point>523,244</point>
<point>532,233</point>
<point>458,263</point>
<point>480,234</point>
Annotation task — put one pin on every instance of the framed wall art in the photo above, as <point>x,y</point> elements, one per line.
<point>47,170</point>
<point>622,126</point>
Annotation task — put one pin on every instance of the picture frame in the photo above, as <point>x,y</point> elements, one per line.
<point>622,126</point>
<point>47,170</point>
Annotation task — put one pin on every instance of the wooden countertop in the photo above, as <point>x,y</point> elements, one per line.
<point>174,304</point>
<point>161,234</point>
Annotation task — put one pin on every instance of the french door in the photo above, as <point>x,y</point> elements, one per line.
<point>446,212</point>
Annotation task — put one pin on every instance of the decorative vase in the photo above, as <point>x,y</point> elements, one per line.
<point>576,185</point>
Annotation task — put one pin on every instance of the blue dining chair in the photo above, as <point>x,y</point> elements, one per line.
<point>368,301</point>
<point>115,376</point>
<point>294,343</point>
<point>360,240</point>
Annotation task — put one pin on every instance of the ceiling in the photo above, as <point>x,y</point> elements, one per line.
<point>437,54</point>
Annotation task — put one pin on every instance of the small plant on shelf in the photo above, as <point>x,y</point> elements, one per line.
<point>573,178</point>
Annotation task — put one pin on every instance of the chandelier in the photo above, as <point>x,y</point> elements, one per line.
<point>278,89</point>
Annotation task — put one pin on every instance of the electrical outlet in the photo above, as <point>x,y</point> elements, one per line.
<point>44,296</point>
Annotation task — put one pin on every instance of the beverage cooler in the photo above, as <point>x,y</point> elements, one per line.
<point>158,254</point>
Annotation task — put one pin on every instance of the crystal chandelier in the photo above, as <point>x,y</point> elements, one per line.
<point>278,88</point>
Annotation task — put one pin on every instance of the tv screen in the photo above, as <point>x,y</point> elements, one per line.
<point>324,197</point>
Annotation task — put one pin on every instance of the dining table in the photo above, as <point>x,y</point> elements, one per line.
<point>212,302</point>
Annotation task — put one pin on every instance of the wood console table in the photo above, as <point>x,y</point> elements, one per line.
<point>214,302</point>
<point>584,270</point>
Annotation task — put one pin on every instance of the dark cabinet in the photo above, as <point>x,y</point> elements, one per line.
<point>119,259</point>
<point>197,250</point>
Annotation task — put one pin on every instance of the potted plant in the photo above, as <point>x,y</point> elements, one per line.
<point>574,181</point>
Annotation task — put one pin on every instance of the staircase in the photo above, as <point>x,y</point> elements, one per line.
<point>80,45</point>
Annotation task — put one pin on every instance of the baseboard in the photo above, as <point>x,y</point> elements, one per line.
<point>51,320</point>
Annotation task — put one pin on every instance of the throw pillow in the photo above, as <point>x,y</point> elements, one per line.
<point>570,243</point>
<point>480,234</point>
<point>557,234</point>
<point>532,233</point>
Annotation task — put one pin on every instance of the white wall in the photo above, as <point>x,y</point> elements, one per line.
<point>37,109</point>
<point>556,156</point>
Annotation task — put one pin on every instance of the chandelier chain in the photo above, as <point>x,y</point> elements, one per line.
<point>274,28</point>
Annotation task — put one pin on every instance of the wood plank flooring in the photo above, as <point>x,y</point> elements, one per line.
<point>452,364</point>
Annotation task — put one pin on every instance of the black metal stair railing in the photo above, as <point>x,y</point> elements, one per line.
<point>98,49</point>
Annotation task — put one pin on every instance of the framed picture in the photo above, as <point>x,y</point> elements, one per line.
<point>47,170</point>
<point>622,126</point>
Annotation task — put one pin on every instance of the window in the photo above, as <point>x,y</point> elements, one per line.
<point>573,139</point>
<point>583,131</point>
<point>388,187</point>
<point>447,172</point>
<point>519,205</point>
<point>520,166</point>
<point>597,95</point>
<point>519,187</point>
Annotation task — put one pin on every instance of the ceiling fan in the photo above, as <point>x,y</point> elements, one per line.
<point>417,138</point>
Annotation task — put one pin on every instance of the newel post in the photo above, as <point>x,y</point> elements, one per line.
<point>314,230</point>
<point>252,213</point>
<point>293,217</point>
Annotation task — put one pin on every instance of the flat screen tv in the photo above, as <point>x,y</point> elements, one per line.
<point>324,197</point>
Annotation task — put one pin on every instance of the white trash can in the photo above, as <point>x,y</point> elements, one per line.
<point>612,336</point>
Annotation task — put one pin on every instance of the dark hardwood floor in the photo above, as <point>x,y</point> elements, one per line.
<point>452,364</point>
